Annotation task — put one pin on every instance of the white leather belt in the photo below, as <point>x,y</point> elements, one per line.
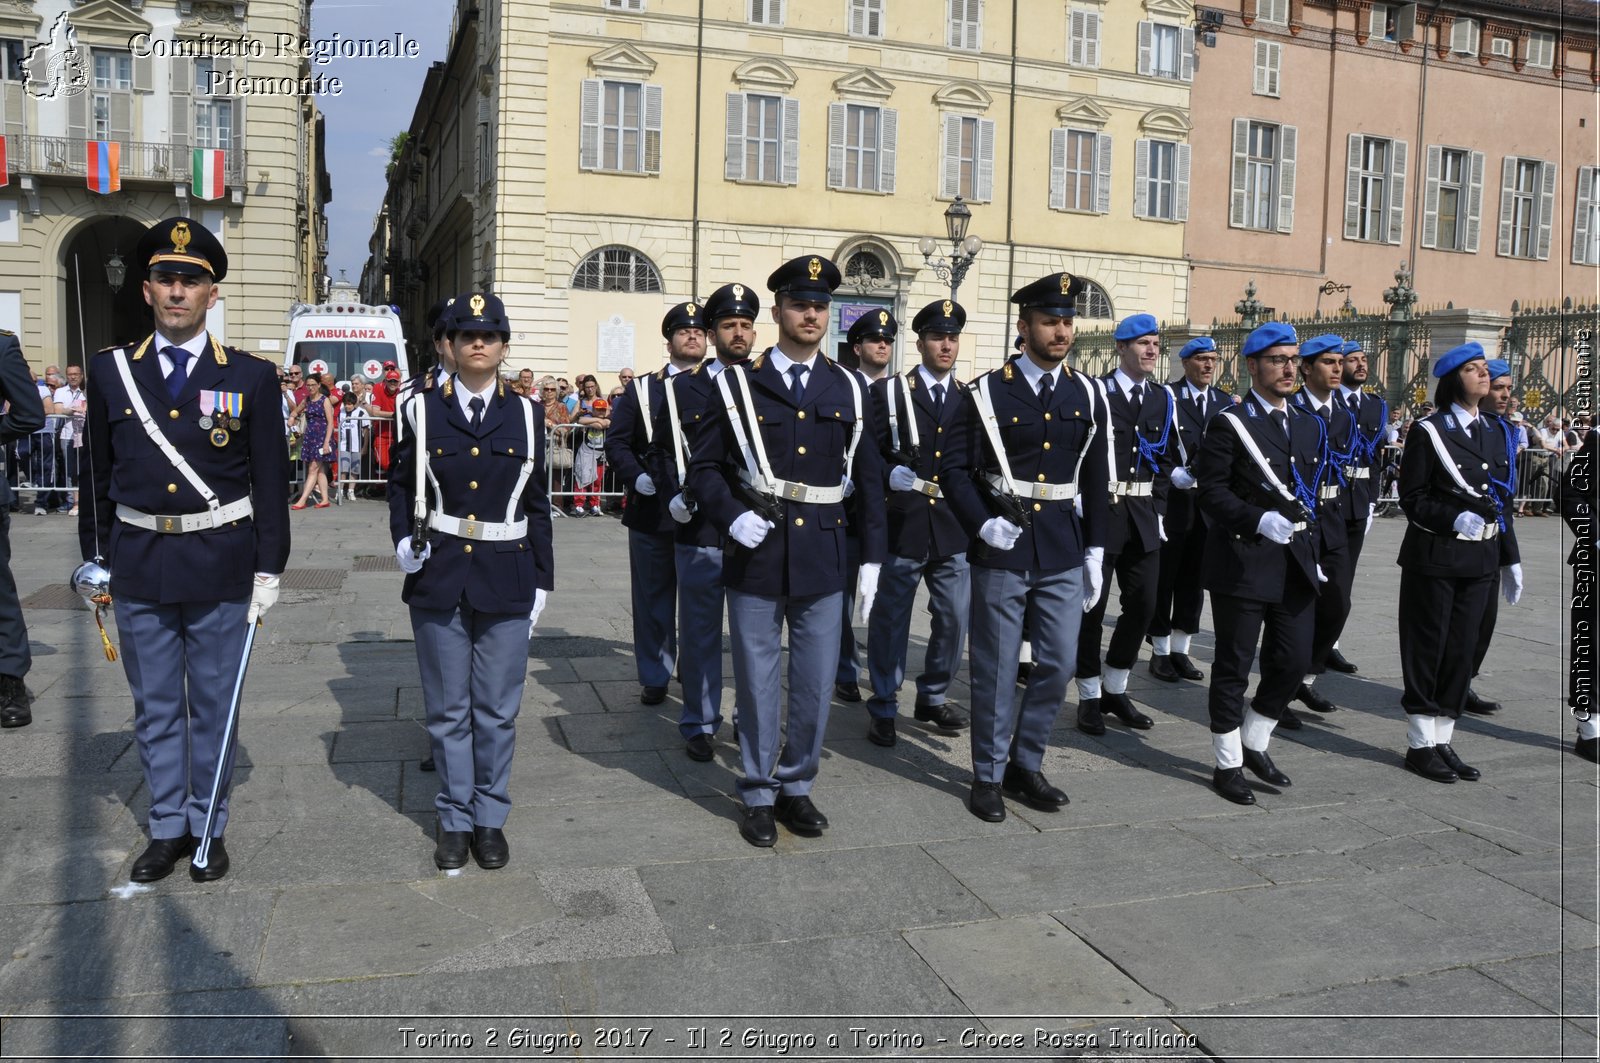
<point>178,523</point>
<point>1133,488</point>
<point>1300,525</point>
<point>790,491</point>
<point>484,531</point>
<point>1328,492</point>
<point>1357,472</point>
<point>1039,492</point>
<point>1490,530</point>
<point>926,487</point>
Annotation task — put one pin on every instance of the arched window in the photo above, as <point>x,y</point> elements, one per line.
<point>616,269</point>
<point>866,266</point>
<point>1093,302</point>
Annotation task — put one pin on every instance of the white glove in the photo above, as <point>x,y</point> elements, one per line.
<point>1371,509</point>
<point>749,529</point>
<point>1161,527</point>
<point>410,562</point>
<point>680,509</point>
<point>643,484</point>
<point>867,588</point>
<point>849,486</point>
<point>1093,578</point>
<point>264,594</point>
<point>1077,505</point>
<point>539,596</point>
<point>1511,583</point>
<point>999,533</point>
<point>1322,577</point>
<point>901,478</point>
<point>1468,524</point>
<point>1275,526</point>
<point>1182,478</point>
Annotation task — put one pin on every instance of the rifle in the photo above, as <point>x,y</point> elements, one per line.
<point>1004,503</point>
<point>906,456</point>
<point>764,504</point>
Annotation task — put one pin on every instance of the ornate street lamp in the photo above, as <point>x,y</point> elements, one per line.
<point>116,272</point>
<point>963,248</point>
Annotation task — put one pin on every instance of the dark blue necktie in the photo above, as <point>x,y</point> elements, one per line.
<point>476,406</point>
<point>797,385</point>
<point>1046,388</point>
<point>180,370</point>
<point>1281,419</point>
<point>938,402</point>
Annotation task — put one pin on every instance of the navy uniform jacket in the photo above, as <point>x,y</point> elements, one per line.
<point>24,409</point>
<point>1432,499</point>
<point>805,554</point>
<point>1339,432</point>
<point>1042,445</point>
<point>476,472</point>
<point>921,527</point>
<point>125,467</point>
<point>628,451</point>
<point>1133,519</point>
<point>1372,422</point>
<point>1234,493</point>
<point>1183,511</point>
<point>694,391</point>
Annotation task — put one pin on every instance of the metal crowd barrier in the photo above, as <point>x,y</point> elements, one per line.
<point>1538,479</point>
<point>42,468</point>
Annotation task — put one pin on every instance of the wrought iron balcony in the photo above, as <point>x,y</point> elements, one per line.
<point>140,160</point>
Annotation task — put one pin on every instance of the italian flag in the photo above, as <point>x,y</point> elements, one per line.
<point>104,171</point>
<point>208,180</point>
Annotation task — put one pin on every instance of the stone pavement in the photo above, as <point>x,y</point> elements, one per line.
<point>1361,912</point>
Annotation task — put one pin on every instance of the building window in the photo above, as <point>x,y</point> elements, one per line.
<point>1452,199</point>
<point>1275,12</point>
<point>1093,302</point>
<point>113,70</point>
<point>1541,50</point>
<point>1260,163</point>
<point>213,115</point>
<point>11,55</point>
<point>616,269</point>
<point>1269,60</point>
<point>968,164</point>
<point>1083,37</point>
<point>766,12</point>
<point>625,5</point>
<point>1501,47</point>
<point>866,18</point>
<point>861,147</point>
<point>1464,36</point>
<point>1262,192</point>
<point>965,24</point>
<point>1392,22</point>
<point>763,138</point>
<point>620,126</point>
<point>1080,171</point>
<point>1586,219</point>
<point>1374,206</point>
<point>1161,180</point>
<point>1166,51</point>
<point>1527,205</point>
<point>866,266</point>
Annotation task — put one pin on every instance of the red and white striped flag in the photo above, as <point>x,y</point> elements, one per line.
<point>208,173</point>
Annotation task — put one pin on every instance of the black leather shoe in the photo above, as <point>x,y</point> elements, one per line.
<point>1161,668</point>
<point>1311,699</point>
<point>880,731</point>
<point>1090,719</point>
<point>652,695</point>
<point>985,802</point>
<point>699,747</point>
<point>1024,670</point>
<point>1261,767</point>
<point>799,814</point>
<point>1032,789</point>
<point>945,718</point>
<point>1480,706</point>
<point>757,827</point>
<point>1588,749</point>
<point>489,847</point>
<point>1289,721</point>
<point>1122,708</point>
<point>16,716</point>
<point>1229,782</point>
<point>1463,770</point>
<point>1184,667</point>
<point>216,861</point>
<point>14,710</point>
<point>451,850</point>
<point>160,857</point>
<point>426,763</point>
<point>1426,763</point>
<point>850,692</point>
<point>1337,662</point>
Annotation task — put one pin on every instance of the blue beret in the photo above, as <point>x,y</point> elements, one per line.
<point>731,300</point>
<point>1056,294</point>
<point>1321,345</point>
<point>1498,368</point>
<point>477,312</point>
<point>810,277</point>
<point>946,317</point>
<point>1131,328</point>
<point>684,315</point>
<point>1456,357</point>
<point>1352,347</point>
<point>874,324</point>
<point>1198,345</point>
<point>1272,334</point>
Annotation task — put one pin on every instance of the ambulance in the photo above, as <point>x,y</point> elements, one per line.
<point>345,339</point>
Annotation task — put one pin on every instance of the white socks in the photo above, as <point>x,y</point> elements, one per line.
<point>1116,680</point>
<point>1089,687</point>
<point>1589,728</point>
<point>1229,751</point>
<point>1257,730</point>
<point>1025,656</point>
<point>1160,645</point>
<point>1420,731</point>
<point>1443,728</point>
<point>1180,642</point>
<point>1308,680</point>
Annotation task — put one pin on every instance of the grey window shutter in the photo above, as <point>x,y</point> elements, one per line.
<point>16,113</point>
<point>1102,175</point>
<point>144,78</point>
<point>237,143</point>
<point>1146,47</point>
<point>1259,85</point>
<point>589,124</point>
<point>887,122</point>
<point>122,117</point>
<point>1474,203</point>
<point>836,125</point>
<point>1547,208</point>
<point>1288,149</point>
<point>180,113</point>
<point>1141,179</point>
<point>985,176</point>
<point>1180,185</point>
<point>1091,47</point>
<point>950,162</point>
<point>1397,190</point>
<point>1241,160</point>
<point>733,157</point>
<point>1508,184</point>
<point>182,75</point>
<point>1430,197</point>
<point>1077,37</point>
<point>1580,218</point>
<point>1352,188</point>
<point>1186,54</point>
<point>651,140</point>
<point>1058,169</point>
<point>78,121</point>
<point>791,141</point>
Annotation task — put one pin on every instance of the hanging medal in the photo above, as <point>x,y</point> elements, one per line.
<point>208,402</point>
<point>231,403</point>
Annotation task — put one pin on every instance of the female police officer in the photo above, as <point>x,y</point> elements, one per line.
<point>471,523</point>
